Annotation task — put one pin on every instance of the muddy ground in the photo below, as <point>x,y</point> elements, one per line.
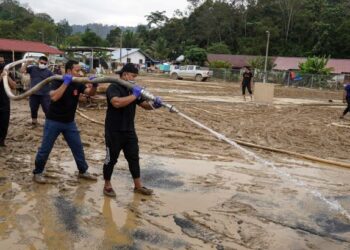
<point>208,195</point>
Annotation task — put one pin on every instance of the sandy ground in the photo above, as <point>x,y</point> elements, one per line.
<point>207,194</point>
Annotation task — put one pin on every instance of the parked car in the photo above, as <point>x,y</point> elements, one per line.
<point>193,72</point>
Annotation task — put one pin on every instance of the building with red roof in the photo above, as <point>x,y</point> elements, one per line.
<point>14,49</point>
<point>339,66</point>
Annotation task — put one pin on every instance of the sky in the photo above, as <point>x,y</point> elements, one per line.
<point>111,12</point>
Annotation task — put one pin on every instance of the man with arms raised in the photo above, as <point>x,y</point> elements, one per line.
<point>60,120</point>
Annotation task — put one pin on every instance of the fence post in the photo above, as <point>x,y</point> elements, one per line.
<point>225,75</point>
<point>312,80</point>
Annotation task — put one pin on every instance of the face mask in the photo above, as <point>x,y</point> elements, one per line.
<point>42,66</point>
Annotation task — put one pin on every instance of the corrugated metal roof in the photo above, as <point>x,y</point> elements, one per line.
<point>238,61</point>
<point>27,46</point>
<point>286,63</point>
<point>339,65</point>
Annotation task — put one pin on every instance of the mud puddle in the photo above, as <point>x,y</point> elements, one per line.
<point>197,205</point>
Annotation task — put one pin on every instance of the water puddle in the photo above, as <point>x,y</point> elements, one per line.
<point>197,204</point>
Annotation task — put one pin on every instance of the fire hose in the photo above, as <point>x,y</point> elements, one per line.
<point>144,93</point>
<point>149,97</point>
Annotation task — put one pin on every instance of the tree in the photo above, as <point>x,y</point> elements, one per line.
<point>218,48</point>
<point>7,29</point>
<point>130,40</point>
<point>315,65</point>
<point>196,55</point>
<point>63,31</point>
<point>160,49</point>
<point>90,38</point>
<point>113,38</point>
<point>259,63</point>
<point>157,18</point>
<point>220,65</point>
<point>40,30</point>
<point>73,40</point>
<point>289,9</point>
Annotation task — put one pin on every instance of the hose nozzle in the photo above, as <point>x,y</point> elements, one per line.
<point>150,97</point>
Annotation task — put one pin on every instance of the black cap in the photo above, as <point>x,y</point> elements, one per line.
<point>129,68</point>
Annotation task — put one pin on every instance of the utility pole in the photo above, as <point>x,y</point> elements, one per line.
<point>121,47</point>
<point>267,54</point>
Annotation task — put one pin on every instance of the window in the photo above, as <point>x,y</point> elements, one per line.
<point>140,61</point>
<point>190,67</point>
<point>183,68</point>
<point>128,60</point>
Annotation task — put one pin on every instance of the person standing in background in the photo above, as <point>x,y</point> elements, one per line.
<point>247,83</point>
<point>42,97</point>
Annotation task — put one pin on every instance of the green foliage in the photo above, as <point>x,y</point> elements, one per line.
<point>113,38</point>
<point>259,63</point>
<point>315,65</point>
<point>159,49</point>
<point>130,39</point>
<point>218,48</point>
<point>7,29</point>
<point>90,38</point>
<point>73,40</point>
<point>196,55</point>
<point>157,18</point>
<point>297,27</point>
<point>220,65</point>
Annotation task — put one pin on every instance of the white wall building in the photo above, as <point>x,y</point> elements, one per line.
<point>124,55</point>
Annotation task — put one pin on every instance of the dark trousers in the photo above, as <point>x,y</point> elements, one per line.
<point>117,141</point>
<point>348,107</point>
<point>35,101</point>
<point>52,130</point>
<point>246,86</point>
<point>4,124</point>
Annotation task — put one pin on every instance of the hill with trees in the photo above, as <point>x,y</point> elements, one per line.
<point>298,28</point>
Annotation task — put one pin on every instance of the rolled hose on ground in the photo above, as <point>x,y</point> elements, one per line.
<point>145,94</point>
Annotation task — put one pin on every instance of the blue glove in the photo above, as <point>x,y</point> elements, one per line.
<point>92,77</point>
<point>157,102</point>
<point>136,91</point>
<point>67,79</point>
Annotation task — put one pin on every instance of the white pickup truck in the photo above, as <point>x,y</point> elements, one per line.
<point>191,72</point>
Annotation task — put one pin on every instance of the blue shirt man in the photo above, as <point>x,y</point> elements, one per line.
<point>37,75</point>
<point>346,96</point>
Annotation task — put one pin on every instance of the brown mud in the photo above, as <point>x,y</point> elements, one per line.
<point>207,196</point>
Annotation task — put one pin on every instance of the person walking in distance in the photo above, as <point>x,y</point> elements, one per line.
<point>346,95</point>
<point>60,120</point>
<point>120,128</point>
<point>247,83</point>
<point>42,97</point>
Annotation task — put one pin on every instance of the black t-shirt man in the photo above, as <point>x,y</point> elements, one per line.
<point>4,99</point>
<point>120,119</point>
<point>247,77</point>
<point>64,109</point>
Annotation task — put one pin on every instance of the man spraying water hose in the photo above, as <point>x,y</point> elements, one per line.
<point>120,128</point>
<point>60,119</point>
